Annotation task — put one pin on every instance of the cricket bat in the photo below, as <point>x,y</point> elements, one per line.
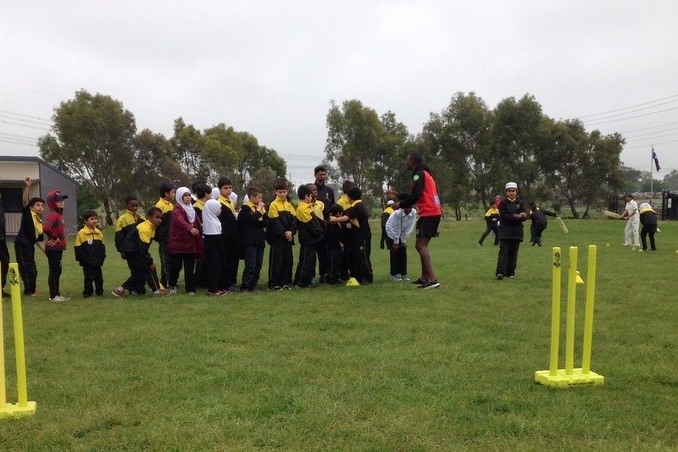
<point>562,225</point>
<point>611,214</point>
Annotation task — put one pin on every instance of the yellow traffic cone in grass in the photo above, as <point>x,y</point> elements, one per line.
<point>579,279</point>
<point>352,282</point>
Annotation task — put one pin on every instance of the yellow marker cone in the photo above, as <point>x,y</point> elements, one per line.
<point>579,279</point>
<point>352,282</point>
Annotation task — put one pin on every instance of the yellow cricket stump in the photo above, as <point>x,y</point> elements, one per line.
<point>23,407</point>
<point>564,378</point>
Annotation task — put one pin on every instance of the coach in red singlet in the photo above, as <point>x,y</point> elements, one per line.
<point>425,196</point>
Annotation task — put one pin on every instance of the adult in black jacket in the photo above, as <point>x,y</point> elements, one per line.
<point>512,213</point>
<point>326,195</point>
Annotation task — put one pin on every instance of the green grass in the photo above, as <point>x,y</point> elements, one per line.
<point>381,367</point>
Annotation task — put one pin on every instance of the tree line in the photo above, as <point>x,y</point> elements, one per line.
<point>472,149</point>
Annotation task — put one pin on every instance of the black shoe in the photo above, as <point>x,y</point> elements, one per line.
<point>419,282</point>
<point>430,284</point>
<point>500,276</point>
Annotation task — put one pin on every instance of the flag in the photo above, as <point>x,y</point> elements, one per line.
<point>656,160</point>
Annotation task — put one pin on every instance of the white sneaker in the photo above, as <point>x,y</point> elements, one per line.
<point>58,299</point>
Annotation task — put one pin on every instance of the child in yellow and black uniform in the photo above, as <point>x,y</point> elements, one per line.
<point>282,225</point>
<point>125,224</point>
<point>359,237</point>
<point>252,221</point>
<point>492,221</point>
<point>230,236</point>
<point>311,231</point>
<point>165,204</point>
<point>335,246</point>
<point>136,248</point>
<point>29,235</point>
<point>345,203</point>
<point>90,252</point>
<point>203,192</point>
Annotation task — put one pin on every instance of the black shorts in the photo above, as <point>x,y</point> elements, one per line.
<point>428,226</point>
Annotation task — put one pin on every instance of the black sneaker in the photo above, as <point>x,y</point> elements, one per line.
<point>419,282</point>
<point>500,276</point>
<point>430,284</point>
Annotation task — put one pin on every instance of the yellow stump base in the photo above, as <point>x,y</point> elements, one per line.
<point>14,410</point>
<point>561,380</point>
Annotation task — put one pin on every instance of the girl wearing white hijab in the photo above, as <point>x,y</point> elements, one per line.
<point>185,241</point>
<point>212,235</point>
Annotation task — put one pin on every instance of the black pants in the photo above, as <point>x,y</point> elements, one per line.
<point>398,261</point>
<point>4,262</point>
<point>231,261</point>
<point>134,284</point>
<point>508,257</point>
<point>254,259</point>
<point>335,264</point>
<point>303,277</point>
<point>648,230</point>
<point>25,257</point>
<point>165,266</point>
<point>280,262</point>
<point>93,281</point>
<point>490,228</point>
<point>142,271</point>
<point>321,250</point>
<point>54,258</point>
<point>535,232</point>
<point>187,261</point>
<point>360,264</point>
<point>212,264</point>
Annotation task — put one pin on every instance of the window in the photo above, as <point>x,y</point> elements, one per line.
<point>11,199</point>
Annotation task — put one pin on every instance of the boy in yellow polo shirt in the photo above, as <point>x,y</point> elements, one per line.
<point>90,252</point>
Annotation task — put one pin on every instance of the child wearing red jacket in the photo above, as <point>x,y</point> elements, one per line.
<point>185,237</point>
<point>55,243</point>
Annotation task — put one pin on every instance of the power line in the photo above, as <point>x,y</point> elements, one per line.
<point>649,128</point>
<point>632,106</point>
<point>652,136</point>
<point>595,123</point>
<point>24,115</point>
<point>646,146</point>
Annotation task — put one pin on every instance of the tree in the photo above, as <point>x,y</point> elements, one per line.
<point>260,158</point>
<point>601,169</point>
<point>671,181</point>
<point>460,137</point>
<point>92,141</point>
<point>153,165</point>
<point>389,160</point>
<point>188,149</point>
<point>354,138</point>
<point>518,134</point>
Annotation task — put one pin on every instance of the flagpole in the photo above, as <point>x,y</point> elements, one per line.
<point>651,174</point>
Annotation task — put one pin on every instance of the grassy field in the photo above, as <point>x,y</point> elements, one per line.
<point>381,367</point>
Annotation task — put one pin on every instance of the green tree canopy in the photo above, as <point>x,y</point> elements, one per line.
<point>92,140</point>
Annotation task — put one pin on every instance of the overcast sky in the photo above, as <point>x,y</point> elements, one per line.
<point>271,67</point>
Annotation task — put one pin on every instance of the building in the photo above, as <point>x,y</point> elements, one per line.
<point>13,171</point>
